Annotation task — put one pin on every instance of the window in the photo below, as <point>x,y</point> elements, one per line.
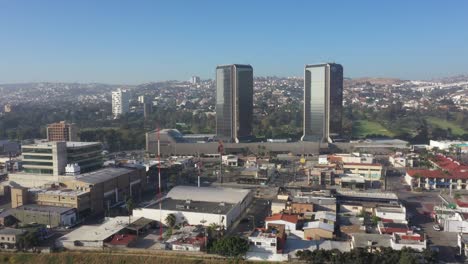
<point>258,243</point>
<point>3,238</point>
<point>273,244</point>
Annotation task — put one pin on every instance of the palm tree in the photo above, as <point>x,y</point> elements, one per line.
<point>129,205</point>
<point>171,220</point>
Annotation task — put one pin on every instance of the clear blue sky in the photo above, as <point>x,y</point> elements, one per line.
<point>132,42</point>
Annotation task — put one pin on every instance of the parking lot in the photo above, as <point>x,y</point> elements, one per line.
<point>418,206</point>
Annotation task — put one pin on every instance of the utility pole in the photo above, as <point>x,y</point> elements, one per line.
<point>159,185</point>
<point>221,151</point>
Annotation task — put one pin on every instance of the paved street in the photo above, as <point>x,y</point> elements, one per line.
<point>419,206</point>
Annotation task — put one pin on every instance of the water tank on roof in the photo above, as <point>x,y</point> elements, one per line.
<point>72,169</point>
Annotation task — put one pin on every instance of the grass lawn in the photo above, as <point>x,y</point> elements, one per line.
<point>363,128</point>
<point>444,124</point>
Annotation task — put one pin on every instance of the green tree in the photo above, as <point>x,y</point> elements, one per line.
<point>28,240</point>
<point>129,205</point>
<point>171,220</point>
<point>407,257</point>
<point>232,246</point>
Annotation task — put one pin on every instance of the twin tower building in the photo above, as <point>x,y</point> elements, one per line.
<point>323,102</point>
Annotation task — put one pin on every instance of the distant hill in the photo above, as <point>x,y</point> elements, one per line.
<point>376,81</point>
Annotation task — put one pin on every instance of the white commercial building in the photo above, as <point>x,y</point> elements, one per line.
<point>92,237</point>
<point>445,144</point>
<point>396,214</point>
<point>199,205</point>
<point>120,102</point>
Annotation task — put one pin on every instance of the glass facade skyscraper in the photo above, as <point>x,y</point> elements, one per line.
<point>234,102</point>
<point>323,101</point>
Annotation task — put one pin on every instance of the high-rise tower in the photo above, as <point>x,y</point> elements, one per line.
<point>120,102</point>
<point>323,101</point>
<point>234,102</point>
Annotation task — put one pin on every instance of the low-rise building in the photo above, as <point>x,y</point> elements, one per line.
<point>230,160</point>
<point>393,214</point>
<point>269,240</point>
<point>390,228</point>
<point>90,193</point>
<point>289,221</point>
<point>300,208</point>
<point>408,240</point>
<point>188,238</point>
<point>51,216</point>
<point>9,237</point>
<point>318,230</point>
<point>278,206</point>
<point>449,173</point>
<point>326,217</point>
<point>371,242</point>
<point>94,237</point>
<point>372,172</point>
<point>203,205</point>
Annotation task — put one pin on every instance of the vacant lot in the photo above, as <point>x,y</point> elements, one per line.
<point>363,128</point>
<point>445,124</point>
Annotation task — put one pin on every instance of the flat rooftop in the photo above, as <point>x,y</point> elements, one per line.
<point>369,195</point>
<point>102,175</point>
<point>97,232</point>
<point>61,192</point>
<point>193,206</point>
<point>390,209</point>
<point>77,144</point>
<point>208,194</point>
<point>11,231</point>
<point>43,208</point>
<point>362,240</point>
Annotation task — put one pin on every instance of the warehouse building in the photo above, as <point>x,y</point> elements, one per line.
<point>90,193</point>
<point>200,205</point>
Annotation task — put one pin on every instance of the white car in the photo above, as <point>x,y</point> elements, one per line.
<point>436,227</point>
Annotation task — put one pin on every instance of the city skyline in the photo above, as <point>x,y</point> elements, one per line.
<point>130,43</point>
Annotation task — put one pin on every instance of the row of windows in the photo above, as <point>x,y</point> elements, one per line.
<point>71,150</point>
<point>260,243</point>
<point>38,171</point>
<point>37,157</point>
<point>8,239</point>
<point>38,163</point>
<point>36,150</point>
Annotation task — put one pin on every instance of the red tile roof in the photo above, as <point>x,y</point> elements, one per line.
<point>450,169</point>
<point>122,239</point>
<point>285,217</point>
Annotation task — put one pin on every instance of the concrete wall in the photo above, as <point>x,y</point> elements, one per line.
<point>193,218</point>
<point>419,247</point>
<point>287,226</point>
<point>31,180</point>
<point>296,148</point>
<point>85,245</point>
<point>317,234</point>
<point>391,215</point>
